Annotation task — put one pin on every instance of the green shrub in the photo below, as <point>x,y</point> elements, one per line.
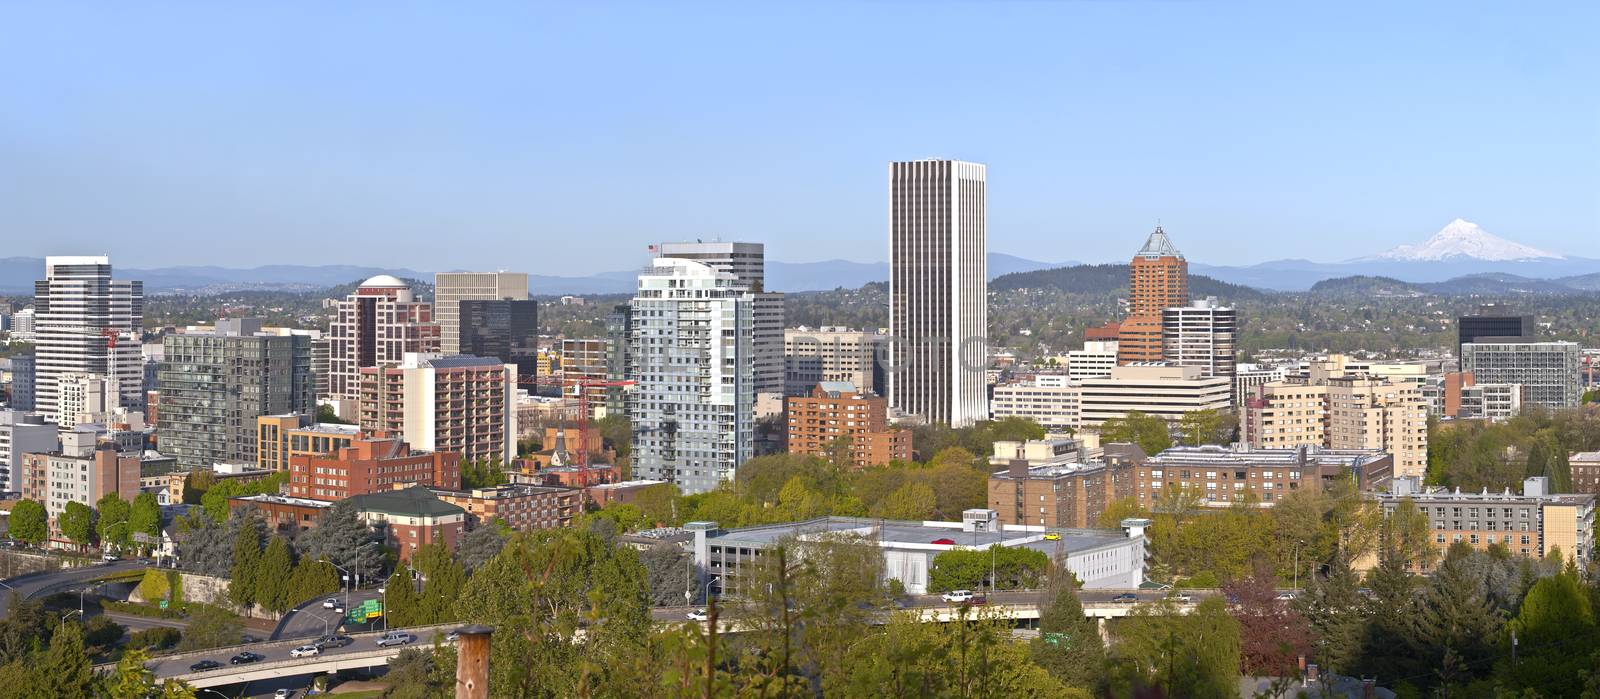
<point>156,638</point>
<point>155,586</point>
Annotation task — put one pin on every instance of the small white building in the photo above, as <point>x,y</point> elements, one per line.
<point>1101,558</point>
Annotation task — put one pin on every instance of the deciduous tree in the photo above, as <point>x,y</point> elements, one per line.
<point>28,522</point>
<point>77,523</point>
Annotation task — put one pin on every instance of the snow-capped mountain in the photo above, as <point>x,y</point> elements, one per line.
<point>1463,239</point>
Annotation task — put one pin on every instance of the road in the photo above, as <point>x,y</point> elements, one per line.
<point>275,652</point>
<point>310,619</point>
<point>36,585</point>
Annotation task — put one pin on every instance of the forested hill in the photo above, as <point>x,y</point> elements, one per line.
<point>1095,279</point>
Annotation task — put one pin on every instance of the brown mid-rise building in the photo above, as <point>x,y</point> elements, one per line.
<point>82,471</point>
<point>370,464</point>
<point>460,403</point>
<point>412,517</point>
<point>1343,412</point>
<point>283,514</point>
<point>1585,467</point>
<point>1158,279</point>
<point>279,437</point>
<point>1044,484</point>
<point>376,326</point>
<point>1220,476</point>
<point>521,507</point>
<point>836,410</point>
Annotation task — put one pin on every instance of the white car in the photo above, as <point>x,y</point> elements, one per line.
<point>283,694</point>
<point>305,652</point>
<point>698,615</point>
<point>957,596</point>
<point>1286,596</point>
<point>1183,597</point>
<point>330,603</point>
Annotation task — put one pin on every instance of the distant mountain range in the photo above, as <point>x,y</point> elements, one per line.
<point>17,275</point>
<point>1084,279</point>
<point>1489,284</point>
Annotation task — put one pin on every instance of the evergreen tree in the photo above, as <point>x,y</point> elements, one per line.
<point>245,575</point>
<point>204,546</point>
<point>480,545</point>
<point>1069,645</point>
<point>441,578</point>
<point>274,576</point>
<point>1554,629</point>
<point>65,669</point>
<point>1455,623</point>
<point>1333,605</point>
<point>1390,613</point>
<point>311,580</point>
<point>341,538</point>
<point>1538,459</point>
<point>403,606</point>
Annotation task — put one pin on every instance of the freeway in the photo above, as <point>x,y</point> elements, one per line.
<point>35,585</point>
<point>277,662</point>
<point>309,619</point>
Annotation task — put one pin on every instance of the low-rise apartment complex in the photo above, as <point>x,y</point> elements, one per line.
<point>1531,524</point>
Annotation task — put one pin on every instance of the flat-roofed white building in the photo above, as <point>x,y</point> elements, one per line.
<point>1158,389</point>
<point>1053,405</point>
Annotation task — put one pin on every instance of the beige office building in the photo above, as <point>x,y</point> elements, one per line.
<point>451,288</point>
<point>1155,389</point>
<point>814,355</point>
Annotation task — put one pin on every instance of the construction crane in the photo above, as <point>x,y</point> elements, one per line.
<point>580,388</point>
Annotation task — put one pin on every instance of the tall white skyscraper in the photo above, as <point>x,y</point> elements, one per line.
<point>747,263</point>
<point>693,403</point>
<point>938,290</point>
<point>451,288</point>
<point>86,323</point>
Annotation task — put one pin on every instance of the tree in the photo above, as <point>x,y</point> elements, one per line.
<point>1336,612</point>
<point>442,579</point>
<point>131,679</point>
<point>325,414</point>
<point>210,627</point>
<point>154,587</point>
<point>1184,655</point>
<point>912,501</point>
<point>245,575</point>
<point>64,669</point>
<point>144,515</point>
<point>341,538</point>
<point>29,522</point>
<point>667,574</point>
<point>77,523</point>
<point>1002,567</point>
<point>1554,627</point>
<point>1456,623</point>
<point>1151,433</point>
<point>113,526</point>
<point>310,580</point>
<point>538,591</point>
<point>480,545</point>
<point>1273,635</point>
<point>204,546</point>
<point>1069,645</point>
<point>276,570</point>
<point>1200,427</point>
<point>402,606</point>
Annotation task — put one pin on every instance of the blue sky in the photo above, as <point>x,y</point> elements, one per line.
<point>562,139</point>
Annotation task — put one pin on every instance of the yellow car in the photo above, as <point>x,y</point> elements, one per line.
<point>1052,536</point>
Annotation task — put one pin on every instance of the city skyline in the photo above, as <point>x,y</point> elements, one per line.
<point>1098,120</point>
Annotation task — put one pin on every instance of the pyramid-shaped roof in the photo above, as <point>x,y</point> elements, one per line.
<point>1158,245</point>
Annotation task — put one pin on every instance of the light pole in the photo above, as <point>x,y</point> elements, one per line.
<point>67,616</point>
<point>348,581</point>
<point>706,588</point>
<point>993,577</point>
<point>385,592</point>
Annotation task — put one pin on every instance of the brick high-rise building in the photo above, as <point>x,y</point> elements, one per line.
<point>370,464</point>
<point>1058,490</point>
<point>1158,279</point>
<point>377,326</point>
<point>836,410</point>
<point>460,403</point>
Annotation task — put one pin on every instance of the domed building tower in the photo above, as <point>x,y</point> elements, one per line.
<point>376,326</point>
<point>1158,279</point>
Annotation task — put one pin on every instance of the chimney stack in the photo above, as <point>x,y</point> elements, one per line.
<point>472,663</point>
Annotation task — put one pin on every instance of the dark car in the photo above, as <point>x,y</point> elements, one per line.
<point>204,665</point>
<point>1125,598</point>
<point>245,657</point>
<point>978,599</point>
<point>335,641</point>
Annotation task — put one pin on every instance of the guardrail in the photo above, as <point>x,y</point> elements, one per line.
<point>423,634</point>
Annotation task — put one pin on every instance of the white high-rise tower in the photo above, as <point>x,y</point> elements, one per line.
<point>938,290</point>
<point>86,323</point>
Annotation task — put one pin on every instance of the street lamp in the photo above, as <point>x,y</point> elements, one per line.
<point>347,582</point>
<point>66,616</point>
<point>706,588</point>
<point>385,592</point>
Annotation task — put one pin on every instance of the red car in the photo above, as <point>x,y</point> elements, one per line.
<point>945,542</point>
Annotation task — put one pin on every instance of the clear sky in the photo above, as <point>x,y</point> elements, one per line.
<point>561,139</point>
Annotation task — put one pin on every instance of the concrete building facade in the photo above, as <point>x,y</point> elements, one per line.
<point>814,355</point>
<point>1056,407</point>
<point>1547,371</point>
<point>747,263</point>
<point>1167,392</point>
<point>938,290</point>
<point>1202,334</point>
<point>1530,524</point>
<point>693,406</point>
<point>451,288</point>
<point>460,404</point>
<point>377,326</point>
<point>85,322</point>
<point>22,433</point>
